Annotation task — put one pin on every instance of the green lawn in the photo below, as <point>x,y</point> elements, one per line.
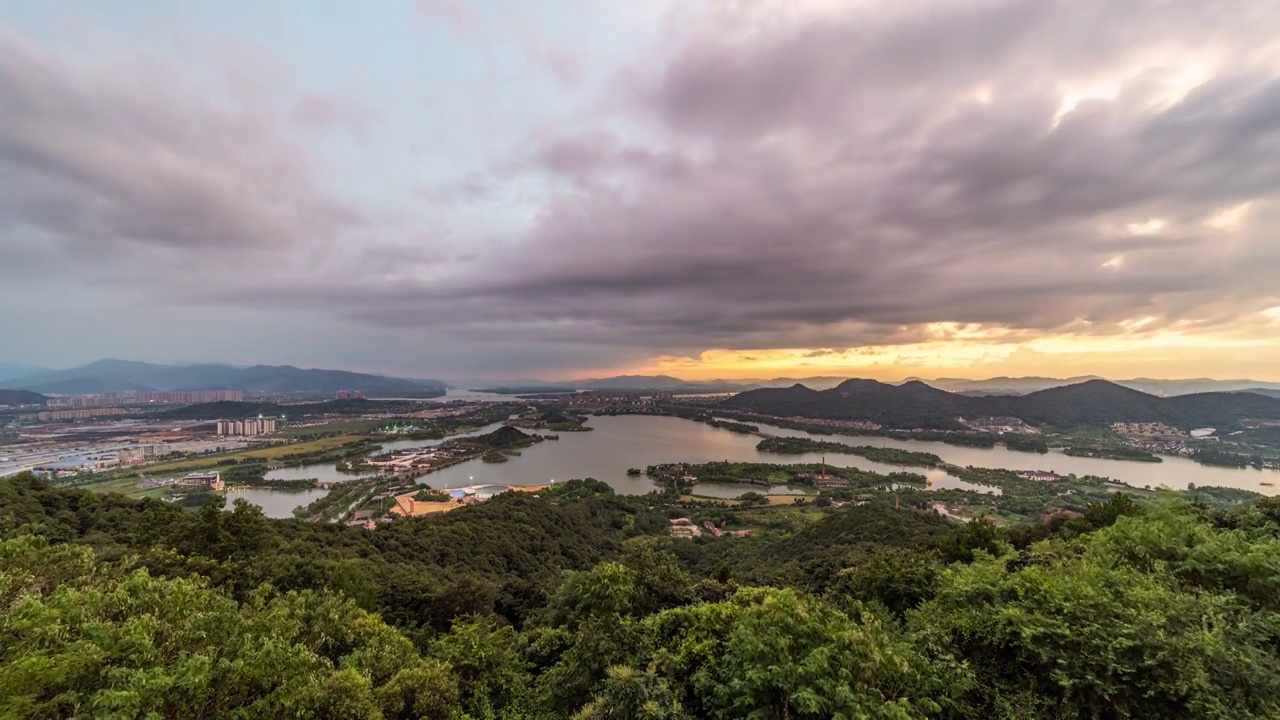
<point>266,453</point>
<point>346,427</point>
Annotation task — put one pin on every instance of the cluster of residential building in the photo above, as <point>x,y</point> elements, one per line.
<point>54,415</point>
<point>190,396</point>
<point>855,424</point>
<point>251,426</point>
<point>614,400</point>
<point>1147,430</point>
<point>105,400</point>
<point>87,401</point>
<point>348,394</point>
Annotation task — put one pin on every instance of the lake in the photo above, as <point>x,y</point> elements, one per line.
<point>276,503</point>
<point>626,441</point>
<point>328,472</point>
<point>1174,472</point>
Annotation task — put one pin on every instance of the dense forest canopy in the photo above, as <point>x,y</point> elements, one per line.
<point>577,603</point>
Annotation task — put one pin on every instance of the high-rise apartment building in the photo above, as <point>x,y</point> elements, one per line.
<point>251,426</point>
<point>191,396</point>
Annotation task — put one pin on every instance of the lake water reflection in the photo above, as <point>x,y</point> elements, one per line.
<point>627,441</point>
<point>618,443</point>
<point>276,503</point>
<point>1174,472</point>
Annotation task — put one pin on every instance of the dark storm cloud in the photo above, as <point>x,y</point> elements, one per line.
<point>853,176</point>
<point>817,180</point>
<point>131,159</point>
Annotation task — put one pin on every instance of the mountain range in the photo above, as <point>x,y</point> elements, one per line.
<point>1023,385</point>
<point>916,404</point>
<point>130,376</point>
<point>1029,384</point>
<point>989,386</point>
<point>10,370</point>
<point>619,382</point>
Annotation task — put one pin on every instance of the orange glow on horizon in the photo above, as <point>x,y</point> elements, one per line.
<point>971,352</point>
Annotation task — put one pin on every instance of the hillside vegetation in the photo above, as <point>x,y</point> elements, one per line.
<point>230,409</point>
<point>576,603</point>
<point>21,397</point>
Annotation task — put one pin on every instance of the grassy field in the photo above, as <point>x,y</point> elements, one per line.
<point>348,427</point>
<point>267,453</point>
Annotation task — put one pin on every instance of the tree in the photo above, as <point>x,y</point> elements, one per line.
<point>81,638</point>
<point>427,690</point>
<point>346,695</point>
<point>1097,627</point>
<point>897,579</point>
<point>492,678</point>
<point>628,694</point>
<point>980,535</point>
<point>768,653</point>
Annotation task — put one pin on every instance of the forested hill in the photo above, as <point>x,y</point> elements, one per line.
<point>577,604</point>
<point>21,397</point>
<point>1095,402</point>
<point>231,409</point>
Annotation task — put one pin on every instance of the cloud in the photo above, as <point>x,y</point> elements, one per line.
<point>769,175</point>
<point>839,179</point>
<point>561,62</point>
<point>455,13</point>
<point>330,111</point>
<point>103,162</point>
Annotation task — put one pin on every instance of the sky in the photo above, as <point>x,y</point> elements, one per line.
<point>577,188</point>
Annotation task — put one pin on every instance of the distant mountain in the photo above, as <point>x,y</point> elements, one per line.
<point>128,376</point>
<point>620,382</point>
<point>1024,385</point>
<point>1269,392</point>
<point>821,382</point>
<point>634,382</point>
<point>13,369</point>
<point>1196,385</point>
<point>21,397</point>
<point>1002,385</point>
<point>1094,402</point>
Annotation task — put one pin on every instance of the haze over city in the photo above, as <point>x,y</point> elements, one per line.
<point>452,189</point>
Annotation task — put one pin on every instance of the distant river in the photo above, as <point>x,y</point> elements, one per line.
<point>1174,472</point>
<point>626,441</point>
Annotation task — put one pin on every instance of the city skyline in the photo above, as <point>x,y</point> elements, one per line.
<point>451,189</point>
